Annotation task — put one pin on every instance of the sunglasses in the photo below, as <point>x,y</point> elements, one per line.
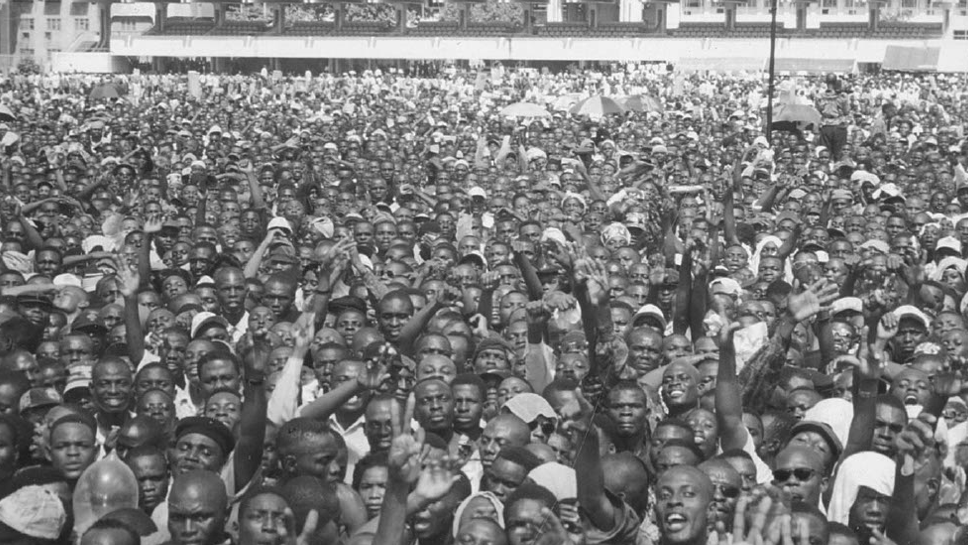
<point>801,473</point>
<point>727,491</point>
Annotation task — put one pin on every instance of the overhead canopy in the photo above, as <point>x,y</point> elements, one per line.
<point>722,64</point>
<point>911,58</point>
<point>815,65</point>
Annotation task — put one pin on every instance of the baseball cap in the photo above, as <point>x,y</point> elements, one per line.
<point>648,311</point>
<point>279,223</point>
<point>204,320</point>
<point>846,303</point>
<point>477,191</point>
<point>34,511</point>
<point>911,311</point>
<point>949,243</point>
<point>36,398</point>
<point>726,286</point>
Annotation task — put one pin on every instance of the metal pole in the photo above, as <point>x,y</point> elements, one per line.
<point>769,96</point>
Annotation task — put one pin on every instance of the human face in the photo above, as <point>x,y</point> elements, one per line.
<point>263,520</point>
<point>373,485</point>
<point>679,386</point>
<point>869,511</point>
<point>645,350</point>
<point>226,407</point>
<point>500,432</point>
<point>706,430</point>
<point>152,476</point>
<point>71,449</point>
<point>230,288</point>
<point>524,521</point>
<point>437,367</point>
<point>502,478</point>
<point>216,374</point>
<point>682,497</point>
<point>392,315</point>
<point>154,378</point>
<point>279,298</point>
<point>194,518</point>
<point>468,406</point>
<point>195,451</point>
<point>800,473</point>
<point>888,422</point>
<point>346,371</point>
<point>378,426</point>
<point>112,387</point>
<point>314,456</point>
<point>435,406</point>
<point>628,410</point>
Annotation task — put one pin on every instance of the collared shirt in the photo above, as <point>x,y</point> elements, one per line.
<point>237,331</point>
<point>357,445</point>
<point>184,406</point>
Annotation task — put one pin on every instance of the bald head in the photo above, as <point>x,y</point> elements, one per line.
<point>504,430</point>
<point>626,476</point>
<point>198,487</point>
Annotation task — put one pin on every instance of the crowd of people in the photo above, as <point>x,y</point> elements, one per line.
<point>380,308</point>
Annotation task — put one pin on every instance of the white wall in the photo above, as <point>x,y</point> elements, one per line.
<point>537,49</point>
<point>89,63</point>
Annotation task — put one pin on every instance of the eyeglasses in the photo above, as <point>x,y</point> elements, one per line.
<point>801,473</point>
<point>726,490</point>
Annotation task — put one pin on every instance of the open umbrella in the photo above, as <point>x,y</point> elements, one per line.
<point>6,114</point>
<point>795,117</point>
<point>641,103</point>
<point>524,109</point>
<point>597,106</point>
<point>104,90</point>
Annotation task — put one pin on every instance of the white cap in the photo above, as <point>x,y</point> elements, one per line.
<point>477,192</point>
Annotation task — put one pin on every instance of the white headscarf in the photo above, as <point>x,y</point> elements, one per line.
<point>498,507</point>
<point>868,468</point>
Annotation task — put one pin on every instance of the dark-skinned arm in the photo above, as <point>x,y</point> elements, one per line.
<point>699,299</point>
<point>729,219</point>
<point>790,243</point>
<point>728,399</point>
<point>680,313</point>
<point>588,468</point>
<point>128,284</point>
<point>912,446</point>
<point>529,274</point>
<point>247,456</point>
<point>416,325</point>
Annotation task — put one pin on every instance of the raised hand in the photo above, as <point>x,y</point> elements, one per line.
<point>576,414</point>
<point>289,535</point>
<point>803,306</point>
<point>538,312</point>
<point>887,328</point>
<point>152,224</point>
<point>560,300</point>
<point>552,532</point>
<point>404,456</point>
<point>436,479</point>
<point>128,279</point>
<point>914,440</point>
<point>376,373</point>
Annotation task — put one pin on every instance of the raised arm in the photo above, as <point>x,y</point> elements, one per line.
<point>128,284</point>
<point>373,376</point>
<point>247,456</point>
<point>728,399</point>
<point>588,465</point>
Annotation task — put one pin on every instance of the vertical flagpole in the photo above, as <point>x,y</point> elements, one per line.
<point>769,97</point>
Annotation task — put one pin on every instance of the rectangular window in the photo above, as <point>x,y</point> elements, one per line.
<point>82,24</point>
<point>79,9</point>
<point>829,3</point>
<point>28,24</point>
<point>53,23</point>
